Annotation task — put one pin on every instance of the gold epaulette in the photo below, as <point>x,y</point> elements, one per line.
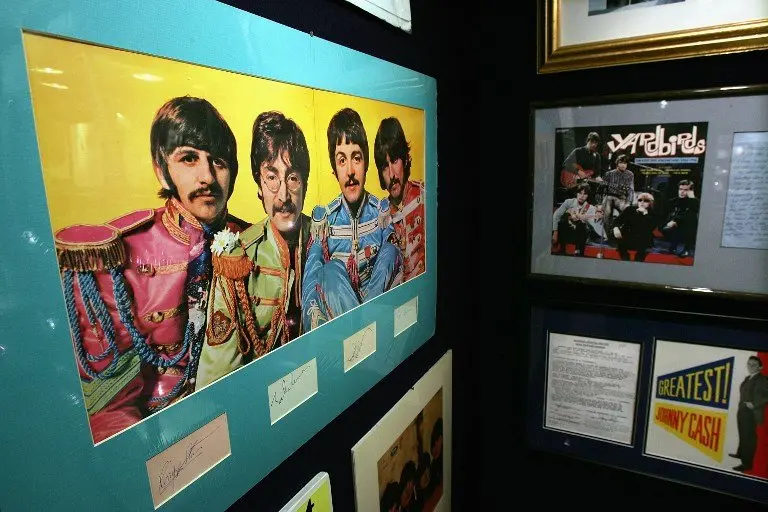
<point>89,248</point>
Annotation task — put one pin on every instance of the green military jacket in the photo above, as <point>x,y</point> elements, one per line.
<point>250,291</point>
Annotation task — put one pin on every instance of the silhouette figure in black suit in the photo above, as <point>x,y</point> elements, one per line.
<point>753,397</point>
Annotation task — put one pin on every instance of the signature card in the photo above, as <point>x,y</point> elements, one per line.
<point>171,470</point>
<point>359,346</point>
<point>291,391</point>
<point>406,315</point>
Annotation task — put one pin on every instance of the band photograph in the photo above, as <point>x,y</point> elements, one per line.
<point>628,192</point>
<point>411,470</point>
<point>204,218</point>
<point>708,408</point>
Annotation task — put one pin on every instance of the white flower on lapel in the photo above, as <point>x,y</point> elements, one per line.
<point>224,240</point>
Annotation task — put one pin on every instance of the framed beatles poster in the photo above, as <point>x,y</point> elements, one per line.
<point>579,34</point>
<point>662,190</point>
<point>219,247</point>
<point>678,396</point>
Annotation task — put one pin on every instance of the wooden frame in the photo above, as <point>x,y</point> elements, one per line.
<point>698,37</point>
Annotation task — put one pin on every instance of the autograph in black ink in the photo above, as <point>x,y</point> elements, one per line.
<point>170,471</point>
<point>286,385</point>
<point>357,348</point>
<point>401,315</point>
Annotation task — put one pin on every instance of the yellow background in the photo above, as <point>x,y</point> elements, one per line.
<point>94,107</point>
<point>723,416</point>
<point>371,112</point>
<point>321,499</point>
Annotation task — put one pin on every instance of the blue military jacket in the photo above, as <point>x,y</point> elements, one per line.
<point>336,234</point>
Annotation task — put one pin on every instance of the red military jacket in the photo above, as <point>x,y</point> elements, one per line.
<point>408,221</point>
<point>124,285</point>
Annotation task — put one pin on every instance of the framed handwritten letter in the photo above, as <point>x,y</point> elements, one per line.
<point>405,458</point>
<point>185,303</point>
<point>578,34</point>
<point>665,190</point>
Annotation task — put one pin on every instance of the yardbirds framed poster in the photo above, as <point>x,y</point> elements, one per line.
<point>657,190</point>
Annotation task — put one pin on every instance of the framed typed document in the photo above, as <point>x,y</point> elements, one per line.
<point>592,387</point>
<point>579,34</point>
<point>218,249</point>
<point>664,190</point>
<point>668,394</point>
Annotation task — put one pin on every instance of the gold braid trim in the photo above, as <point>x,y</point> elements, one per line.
<point>299,263</point>
<point>91,257</point>
<point>214,340</point>
<point>278,320</point>
<point>184,214</point>
<point>252,338</point>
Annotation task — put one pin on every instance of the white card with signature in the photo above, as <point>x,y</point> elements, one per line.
<point>291,391</point>
<point>406,315</point>
<point>359,346</point>
<point>171,470</point>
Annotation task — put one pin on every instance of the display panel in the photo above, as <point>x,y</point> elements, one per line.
<point>617,183</point>
<point>697,376</point>
<point>79,119</point>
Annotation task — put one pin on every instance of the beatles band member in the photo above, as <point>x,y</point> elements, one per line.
<point>136,287</point>
<point>406,197</point>
<point>351,256</point>
<point>256,303</point>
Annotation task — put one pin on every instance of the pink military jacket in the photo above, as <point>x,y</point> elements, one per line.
<point>124,286</point>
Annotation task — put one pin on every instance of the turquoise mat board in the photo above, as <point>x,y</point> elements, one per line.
<point>48,456</point>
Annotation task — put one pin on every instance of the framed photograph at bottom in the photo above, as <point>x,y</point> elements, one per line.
<point>405,459</point>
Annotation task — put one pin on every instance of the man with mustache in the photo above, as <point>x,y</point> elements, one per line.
<point>351,258</point>
<point>256,291</point>
<point>391,151</point>
<point>136,287</point>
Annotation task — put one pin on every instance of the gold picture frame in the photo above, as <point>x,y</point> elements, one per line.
<point>554,56</point>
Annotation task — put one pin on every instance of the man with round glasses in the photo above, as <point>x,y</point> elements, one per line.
<point>256,289</point>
